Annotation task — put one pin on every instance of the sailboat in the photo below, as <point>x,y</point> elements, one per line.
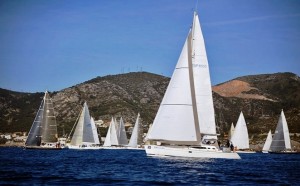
<point>43,132</point>
<point>111,139</point>
<point>268,142</point>
<point>281,142</point>
<point>184,125</point>
<point>240,137</point>
<point>85,135</point>
<point>135,139</point>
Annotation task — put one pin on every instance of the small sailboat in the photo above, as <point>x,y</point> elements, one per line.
<point>112,139</point>
<point>135,139</point>
<point>184,125</point>
<point>281,142</point>
<point>268,142</point>
<point>240,137</point>
<point>43,132</point>
<point>85,135</point>
<point>231,131</point>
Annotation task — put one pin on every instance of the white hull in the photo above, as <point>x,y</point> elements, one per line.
<point>265,151</point>
<point>245,152</point>
<point>83,147</point>
<point>179,151</point>
<point>114,147</point>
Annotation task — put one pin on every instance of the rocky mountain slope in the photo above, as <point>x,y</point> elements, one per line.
<point>260,97</point>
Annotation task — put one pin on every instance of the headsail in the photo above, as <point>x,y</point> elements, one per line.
<point>122,133</point>
<point>95,132</point>
<point>240,136</point>
<point>268,142</point>
<point>135,133</point>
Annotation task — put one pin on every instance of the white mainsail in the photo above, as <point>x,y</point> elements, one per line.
<point>281,140</point>
<point>268,142</point>
<point>122,133</point>
<point>95,132</point>
<point>240,137</point>
<point>83,132</point>
<point>111,136</point>
<point>135,133</point>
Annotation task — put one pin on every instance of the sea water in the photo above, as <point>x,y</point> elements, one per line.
<point>133,167</point>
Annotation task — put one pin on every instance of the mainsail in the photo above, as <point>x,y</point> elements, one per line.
<point>240,137</point>
<point>186,110</point>
<point>281,140</point>
<point>44,127</point>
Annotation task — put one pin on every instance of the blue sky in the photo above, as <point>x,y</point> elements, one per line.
<point>59,43</point>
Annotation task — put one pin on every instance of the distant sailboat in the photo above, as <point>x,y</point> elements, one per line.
<point>85,135</point>
<point>111,138</point>
<point>43,132</point>
<point>231,131</point>
<point>135,140</point>
<point>185,122</point>
<point>281,142</point>
<point>268,142</point>
<point>240,138</point>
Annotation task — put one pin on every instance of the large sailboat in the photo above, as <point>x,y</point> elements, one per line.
<point>43,132</point>
<point>240,137</point>
<point>184,125</point>
<point>281,142</point>
<point>85,135</point>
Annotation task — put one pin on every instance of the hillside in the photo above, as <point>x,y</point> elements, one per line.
<point>260,97</point>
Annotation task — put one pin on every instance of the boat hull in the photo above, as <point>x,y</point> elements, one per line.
<point>154,150</point>
<point>43,148</point>
<point>245,152</point>
<point>83,147</point>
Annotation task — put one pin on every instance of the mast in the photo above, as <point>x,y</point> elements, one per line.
<point>191,56</point>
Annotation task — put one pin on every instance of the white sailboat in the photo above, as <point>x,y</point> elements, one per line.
<point>135,141</point>
<point>85,135</point>
<point>111,138</point>
<point>281,142</point>
<point>240,137</point>
<point>185,119</point>
<point>268,142</point>
<point>43,132</point>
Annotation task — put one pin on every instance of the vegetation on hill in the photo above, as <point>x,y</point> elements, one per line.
<point>260,97</point>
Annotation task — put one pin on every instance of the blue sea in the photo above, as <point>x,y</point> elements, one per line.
<point>133,167</point>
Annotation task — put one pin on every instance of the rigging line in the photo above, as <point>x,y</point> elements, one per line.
<point>74,124</point>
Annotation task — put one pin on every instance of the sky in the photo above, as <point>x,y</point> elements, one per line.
<point>52,45</point>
